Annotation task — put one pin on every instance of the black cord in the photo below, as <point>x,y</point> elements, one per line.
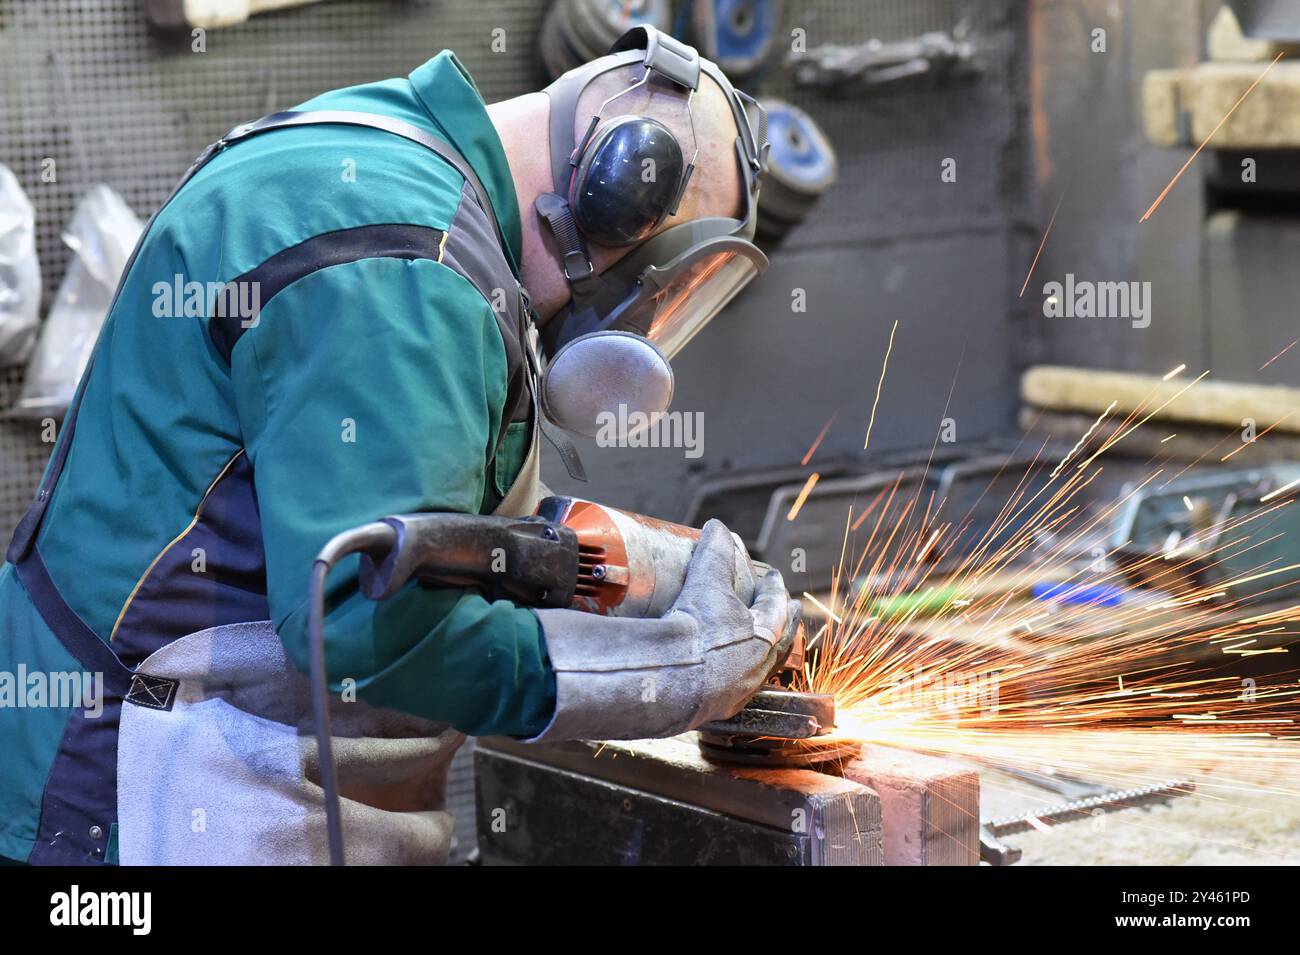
<point>320,709</point>
<point>366,537</point>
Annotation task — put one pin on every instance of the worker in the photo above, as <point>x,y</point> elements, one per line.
<point>366,347</point>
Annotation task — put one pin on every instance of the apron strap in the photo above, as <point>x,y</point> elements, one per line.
<point>389,124</point>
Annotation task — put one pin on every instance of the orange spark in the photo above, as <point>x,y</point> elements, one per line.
<point>803,496</point>
<point>1178,175</point>
<point>817,443</point>
<point>1046,233</point>
<point>1246,444</point>
<point>970,664</point>
<point>1279,354</point>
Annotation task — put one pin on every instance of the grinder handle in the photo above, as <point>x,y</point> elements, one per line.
<point>528,559</point>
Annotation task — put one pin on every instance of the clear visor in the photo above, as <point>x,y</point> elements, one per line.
<point>690,298</point>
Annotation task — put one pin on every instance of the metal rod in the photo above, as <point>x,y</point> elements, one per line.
<point>1092,806</point>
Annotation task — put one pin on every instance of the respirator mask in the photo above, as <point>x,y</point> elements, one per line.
<point>609,350</point>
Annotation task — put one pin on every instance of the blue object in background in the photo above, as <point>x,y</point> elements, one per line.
<point>736,34</point>
<point>1097,596</point>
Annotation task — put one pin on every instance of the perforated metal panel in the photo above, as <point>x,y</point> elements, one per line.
<point>93,85</point>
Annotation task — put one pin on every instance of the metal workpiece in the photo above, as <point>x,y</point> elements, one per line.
<point>1088,808</point>
<point>995,852</point>
<point>661,802</point>
<point>801,715</point>
<point>929,805</point>
<point>751,750</point>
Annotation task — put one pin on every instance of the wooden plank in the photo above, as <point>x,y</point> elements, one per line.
<point>1059,388</point>
<point>1209,93</point>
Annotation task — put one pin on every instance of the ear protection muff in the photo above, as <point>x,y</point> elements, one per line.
<point>628,176</point>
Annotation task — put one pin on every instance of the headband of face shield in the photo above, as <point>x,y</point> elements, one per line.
<point>610,348</point>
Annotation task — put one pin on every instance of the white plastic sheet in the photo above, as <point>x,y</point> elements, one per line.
<point>20,273</point>
<point>102,233</point>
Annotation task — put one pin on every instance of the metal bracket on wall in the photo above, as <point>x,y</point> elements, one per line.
<point>934,56</point>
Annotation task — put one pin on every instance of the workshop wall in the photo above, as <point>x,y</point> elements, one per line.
<point>1223,280</point>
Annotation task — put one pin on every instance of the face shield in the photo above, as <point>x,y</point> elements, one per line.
<point>671,285</point>
<point>669,303</point>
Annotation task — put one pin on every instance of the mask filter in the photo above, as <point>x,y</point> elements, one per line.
<point>605,374</point>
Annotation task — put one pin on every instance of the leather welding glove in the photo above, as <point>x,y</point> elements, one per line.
<point>620,678</point>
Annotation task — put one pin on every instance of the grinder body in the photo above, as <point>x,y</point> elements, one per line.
<point>630,565</point>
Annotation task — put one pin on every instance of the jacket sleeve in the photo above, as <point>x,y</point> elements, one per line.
<point>371,388</point>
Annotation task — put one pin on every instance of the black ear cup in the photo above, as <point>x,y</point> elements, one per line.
<point>626,181</point>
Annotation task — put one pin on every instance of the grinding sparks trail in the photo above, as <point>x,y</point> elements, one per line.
<point>1084,440</point>
<point>797,506</point>
<point>1032,640</point>
<point>1048,231</point>
<point>818,442</point>
<point>1279,492</point>
<point>880,385</point>
<point>1192,158</point>
<point>1246,444</point>
<point>1279,354</point>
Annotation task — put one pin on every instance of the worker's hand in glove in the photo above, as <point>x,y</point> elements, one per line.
<point>739,645</point>
<point>620,678</point>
